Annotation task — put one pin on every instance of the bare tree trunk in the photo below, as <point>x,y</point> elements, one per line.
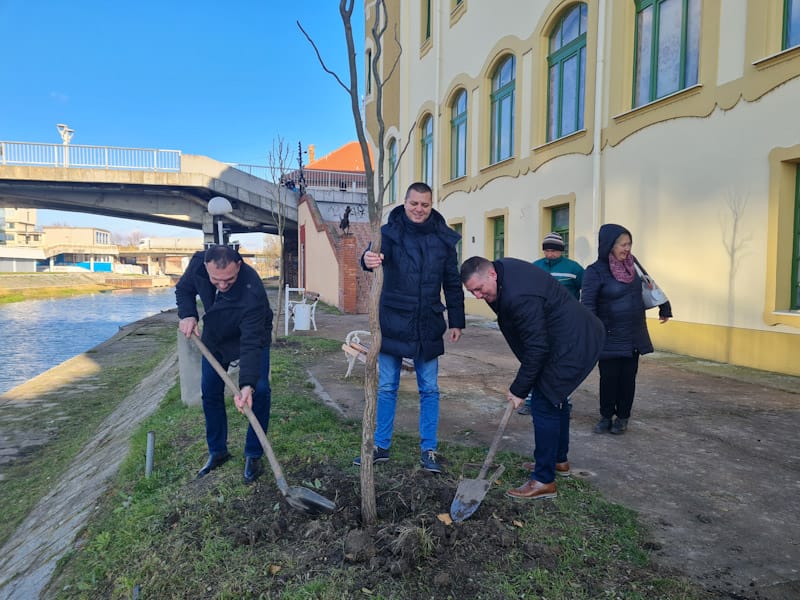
<point>375,195</point>
<point>278,161</point>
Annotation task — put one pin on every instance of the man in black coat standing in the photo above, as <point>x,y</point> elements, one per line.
<point>237,325</point>
<point>557,342</point>
<point>419,261</point>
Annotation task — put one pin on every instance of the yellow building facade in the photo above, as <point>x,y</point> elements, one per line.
<point>18,228</point>
<point>674,118</point>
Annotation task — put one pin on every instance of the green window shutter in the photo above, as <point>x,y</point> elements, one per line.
<point>795,299</point>
<point>791,23</point>
<point>567,74</point>
<point>458,136</point>
<point>502,102</point>
<point>499,236</point>
<point>667,43</point>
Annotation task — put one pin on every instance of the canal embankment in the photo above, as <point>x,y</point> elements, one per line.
<point>23,286</point>
<point>63,435</point>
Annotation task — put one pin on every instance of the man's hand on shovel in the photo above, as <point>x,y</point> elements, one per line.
<point>515,400</point>
<point>244,398</point>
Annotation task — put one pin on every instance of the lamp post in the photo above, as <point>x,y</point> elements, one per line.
<point>66,135</point>
<point>217,207</point>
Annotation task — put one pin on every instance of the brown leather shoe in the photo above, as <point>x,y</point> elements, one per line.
<point>533,490</point>
<point>562,469</point>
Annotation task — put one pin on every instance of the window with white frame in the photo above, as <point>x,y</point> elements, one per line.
<point>502,103</point>
<point>667,48</point>
<point>566,63</point>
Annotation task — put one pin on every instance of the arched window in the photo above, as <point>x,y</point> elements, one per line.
<point>566,64</point>
<point>458,136</point>
<point>667,48</point>
<point>392,168</point>
<point>791,23</point>
<point>502,101</point>
<point>426,151</point>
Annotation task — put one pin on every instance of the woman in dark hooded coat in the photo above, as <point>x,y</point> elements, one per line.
<point>612,290</point>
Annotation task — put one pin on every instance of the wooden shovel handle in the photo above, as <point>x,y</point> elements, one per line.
<point>496,441</point>
<point>262,437</point>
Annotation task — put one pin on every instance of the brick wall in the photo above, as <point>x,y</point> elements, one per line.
<point>355,283</point>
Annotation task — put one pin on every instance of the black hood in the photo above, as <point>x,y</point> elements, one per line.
<point>606,237</point>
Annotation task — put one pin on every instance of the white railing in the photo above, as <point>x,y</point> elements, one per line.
<point>89,157</point>
<point>341,180</point>
<point>313,178</point>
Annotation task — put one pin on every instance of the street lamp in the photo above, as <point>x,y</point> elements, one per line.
<point>217,207</point>
<point>66,135</point>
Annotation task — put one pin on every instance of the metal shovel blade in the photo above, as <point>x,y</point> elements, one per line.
<point>308,501</point>
<point>470,492</point>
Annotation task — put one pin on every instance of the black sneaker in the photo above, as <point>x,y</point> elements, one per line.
<point>619,426</point>
<point>379,455</point>
<point>428,461</point>
<point>603,426</point>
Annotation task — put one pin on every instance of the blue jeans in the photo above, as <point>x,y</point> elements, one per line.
<point>551,435</point>
<point>388,384</point>
<point>213,390</point>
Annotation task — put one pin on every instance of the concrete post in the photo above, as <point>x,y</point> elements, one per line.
<point>189,367</point>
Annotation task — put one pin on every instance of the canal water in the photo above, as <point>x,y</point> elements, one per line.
<point>40,334</point>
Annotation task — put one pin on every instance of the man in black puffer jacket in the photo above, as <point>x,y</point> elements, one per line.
<point>237,325</point>
<point>419,261</point>
<point>557,342</point>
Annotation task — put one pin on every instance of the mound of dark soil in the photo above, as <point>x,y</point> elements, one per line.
<point>413,551</point>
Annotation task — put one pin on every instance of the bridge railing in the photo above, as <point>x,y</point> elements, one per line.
<point>89,157</point>
<point>314,178</point>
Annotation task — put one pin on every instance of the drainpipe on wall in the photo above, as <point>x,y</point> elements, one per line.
<point>437,43</point>
<point>598,203</point>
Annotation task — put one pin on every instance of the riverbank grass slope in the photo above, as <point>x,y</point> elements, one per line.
<point>58,412</point>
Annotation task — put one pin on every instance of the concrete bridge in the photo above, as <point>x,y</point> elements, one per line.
<point>159,186</point>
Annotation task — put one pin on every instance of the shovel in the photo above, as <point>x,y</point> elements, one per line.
<point>299,498</point>
<point>470,492</point>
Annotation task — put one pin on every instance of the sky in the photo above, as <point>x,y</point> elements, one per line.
<point>218,79</point>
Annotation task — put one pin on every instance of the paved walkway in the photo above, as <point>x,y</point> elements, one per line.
<point>711,460</point>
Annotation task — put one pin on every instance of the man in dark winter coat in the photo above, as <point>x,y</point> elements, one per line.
<point>237,325</point>
<point>419,261</point>
<point>557,342</point>
<point>566,271</point>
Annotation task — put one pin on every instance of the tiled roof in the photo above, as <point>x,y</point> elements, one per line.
<point>346,158</point>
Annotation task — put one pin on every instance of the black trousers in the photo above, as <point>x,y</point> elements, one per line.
<point>617,385</point>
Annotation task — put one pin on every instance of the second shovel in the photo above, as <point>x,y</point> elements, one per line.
<point>470,492</point>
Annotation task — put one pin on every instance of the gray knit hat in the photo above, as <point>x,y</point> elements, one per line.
<point>553,241</point>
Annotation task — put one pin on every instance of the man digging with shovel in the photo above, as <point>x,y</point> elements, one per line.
<point>238,326</point>
<point>557,342</point>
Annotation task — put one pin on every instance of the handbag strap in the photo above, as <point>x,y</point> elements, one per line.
<point>639,268</point>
